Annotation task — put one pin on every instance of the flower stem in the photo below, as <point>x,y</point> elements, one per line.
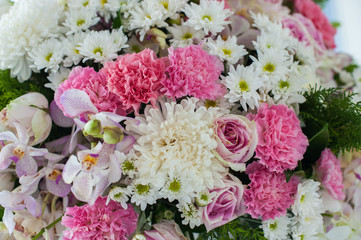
<point>47,228</point>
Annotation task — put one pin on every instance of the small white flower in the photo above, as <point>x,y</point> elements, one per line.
<point>243,84</point>
<point>127,163</point>
<point>127,6</point>
<point>70,45</point>
<point>204,198</point>
<point>223,105</point>
<point>184,35</point>
<point>48,55</point>
<point>209,15</point>
<point>55,78</point>
<point>171,7</point>
<point>191,214</point>
<point>119,194</point>
<point>270,40</point>
<point>119,38</point>
<point>143,194</point>
<point>78,20</point>
<point>108,8</point>
<point>276,229</point>
<point>227,50</point>
<point>98,46</point>
<point>178,187</point>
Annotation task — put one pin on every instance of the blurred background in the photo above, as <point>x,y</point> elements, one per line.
<point>348,14</point>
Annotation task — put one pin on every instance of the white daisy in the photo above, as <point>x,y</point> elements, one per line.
<point>183,35</point>
<point>223,105</point>
<point>127,163</point>
<point>243,84</point>
<point>98,46</point>
<point>47,55</point>
<point>276,229</point>
<point>269,40</point>
<point>127,6</point>
<point>307,201</point>
<point>227,50</point>
<point>165,146</point>
<point>119,194</point>
<point>191,214</point>
<point>209,15</point>
<point>55,78</point>
<point>108,8</point>
<point>24,26</point>
<point>119,38</point>
<point>143,194</point>
<point>204,198</point>
<point>82,19</point>
<point>303,234</point>
<point>70,45</point>
<point>171,7</point>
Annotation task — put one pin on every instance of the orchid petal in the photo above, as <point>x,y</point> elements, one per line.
<point>37,151</point>
<point>60,189</point>
<point>71,169</point>
<point>82,186</point>
<point>339,233</point>
<point>30,182</point>
<point>115,169</point>
<point>73,142</point>
<point>99,188</point>
<point>8,220</point>
<point>22,133</point>
<point>53,158</point>
<point>26,166</point>
<point>126,144</point>
<point>58,116</point>
<point>5,155</point>
<point>8,136</point>
<point>33,207</point>
<point>77,102</point>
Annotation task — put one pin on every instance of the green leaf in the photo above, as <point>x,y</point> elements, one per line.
<point>336,24</point>
<point>1,212</point>
<point>117,21</point>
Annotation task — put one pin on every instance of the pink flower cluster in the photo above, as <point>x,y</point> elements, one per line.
<point>136,78</point>
<point>192,71</point>
<point>281,142</point>
<point>312,11</point>
<point>99,221</point>
<point>94,84</point>
<point>269,194</point>
<point>330,175</point>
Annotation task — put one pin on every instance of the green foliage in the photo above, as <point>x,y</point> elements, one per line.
<point>322,3</point>
<point>1,213</point>
<point>10,88</point>
<point>239,229</point>
<point>331,113</point>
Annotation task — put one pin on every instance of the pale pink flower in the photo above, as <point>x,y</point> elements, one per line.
<point>226,205</point>
<point>269,194</point>
<point>330,175</point>
<point>193,72</point>
<point>165,230</point>
<point>99,221</point>
<point>281,142</point>
<point>312,11</point>
<point>94,84</point>
<point>136,78</point>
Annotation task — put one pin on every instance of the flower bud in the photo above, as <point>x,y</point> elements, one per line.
<point>139,236</point>
<point>92,128</point>
<point>112,134</point>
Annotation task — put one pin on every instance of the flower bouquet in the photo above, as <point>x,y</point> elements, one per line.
<point>175,120</point>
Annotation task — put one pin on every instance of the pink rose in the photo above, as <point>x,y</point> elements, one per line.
<point>226,205</point>
<point>281,142</point>
<point>165,230</point>
<point>136,78</point>
<point>312,11</point>
<point>237,139</point>
<point>330,175</point>
<point>303,29</point>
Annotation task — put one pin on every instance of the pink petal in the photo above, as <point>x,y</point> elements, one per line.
<point>77,102</point>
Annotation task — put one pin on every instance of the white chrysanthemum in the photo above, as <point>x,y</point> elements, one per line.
<point>304,55</point>
<point>311,223</point>
<point>191,214</point>
<point>127,6</point>
<point>204,198</point>
<point>276,229</point>
<point>108,8</point>
<point>307,201</point>
<point>55,78</point>
<point>119,38</point>
<point>145,16</point>
<point>26,24</point>
<point>209,15</point>
<point>272,64</point>
<point>270,40</point>
<point>183,35</point>
<point>119,194</point>
<point>223,105</point>
<point>170,7</point>
<point>227,50</point>
<point>80,19</point>
<point>243,84</point>
<point>98,46</point>
<point>301,233</point>
<point>79,4</point>
<point>127,163</point>
<point>5,6</point>
<point>47,55</point>
<point>177,140</point>
<point>70,45</point>
<point>143,194</point>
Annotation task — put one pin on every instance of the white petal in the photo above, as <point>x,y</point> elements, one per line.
<point>8,220</point>
<point>82,187</point>
<point>71,169</point>
<point>8,136</point>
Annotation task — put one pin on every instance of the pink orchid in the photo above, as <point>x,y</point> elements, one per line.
<point>91,172</point>
<point>16,149</point>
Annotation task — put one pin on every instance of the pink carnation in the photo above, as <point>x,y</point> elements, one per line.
<point>312,11</point>
<point>136,78</point>
<point>100,221</point>
<point>303,29</point>
<point>192,71</point>
<point>281,142</point>
<point>94,84</point>
<point>269,194</point>
<point>330,175</point>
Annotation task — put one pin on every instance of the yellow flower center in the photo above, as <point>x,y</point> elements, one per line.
<point>98,50</point>
<point>48,57</point>
<point>142,189</point>
<point>103,2</point>
<point>269,67</point>
<point>284,84</point>
<point>89,161</point>
<point>80,22</point>
<point>174,186</point>
<point>207,17</point>
<point>227,51</point>
<point>54,174</point>
<point>165,4</point>
<point>187,36</point>
<point>243,86</point>
<point>19,152</point>
<point>210,103</point>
